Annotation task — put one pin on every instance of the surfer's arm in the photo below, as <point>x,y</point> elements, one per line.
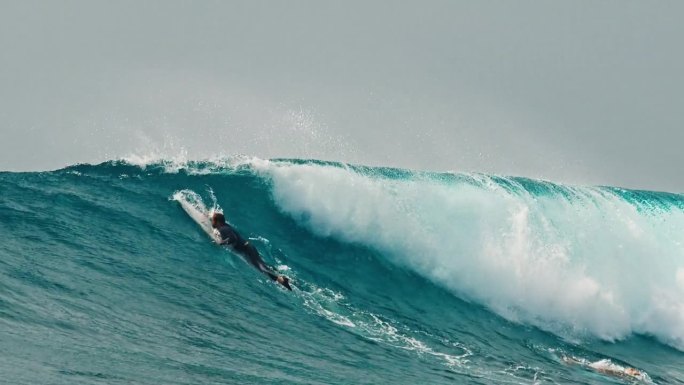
<point>217,237</point>
<point>224,237</point>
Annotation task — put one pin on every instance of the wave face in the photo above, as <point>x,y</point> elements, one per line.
<point>401,276</point>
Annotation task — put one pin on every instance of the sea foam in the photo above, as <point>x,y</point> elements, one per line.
<point>576,261</point>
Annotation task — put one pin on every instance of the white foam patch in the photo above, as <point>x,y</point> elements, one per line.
<point>589,262</point>
<point>609,368</point>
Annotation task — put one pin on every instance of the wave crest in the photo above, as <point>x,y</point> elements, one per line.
<point>571,260</point>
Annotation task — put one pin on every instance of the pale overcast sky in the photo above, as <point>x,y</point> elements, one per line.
<point>588,92</point>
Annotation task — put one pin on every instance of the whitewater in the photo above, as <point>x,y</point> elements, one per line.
<point>400,276</point>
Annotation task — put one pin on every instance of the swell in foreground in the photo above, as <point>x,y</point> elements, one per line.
<point>402,277</point>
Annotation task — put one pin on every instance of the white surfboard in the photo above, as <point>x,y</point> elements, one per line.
<point>192,203</point>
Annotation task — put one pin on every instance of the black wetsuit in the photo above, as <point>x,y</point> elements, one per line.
<point>231,237</point>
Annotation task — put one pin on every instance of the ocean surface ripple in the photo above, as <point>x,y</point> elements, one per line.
<point>401,277</point>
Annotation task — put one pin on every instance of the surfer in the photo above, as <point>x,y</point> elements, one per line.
<point>230,237</point>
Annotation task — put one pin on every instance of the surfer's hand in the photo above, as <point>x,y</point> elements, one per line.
<point>283,280</point>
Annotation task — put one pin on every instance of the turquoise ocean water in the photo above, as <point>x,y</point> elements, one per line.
<point>401,277</point>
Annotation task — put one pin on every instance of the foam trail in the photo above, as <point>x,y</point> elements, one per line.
<point>607,367</point>
<point>567,259</point>
<point>333,307</point>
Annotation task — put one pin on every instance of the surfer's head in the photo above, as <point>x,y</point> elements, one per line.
<point>217,219</point>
